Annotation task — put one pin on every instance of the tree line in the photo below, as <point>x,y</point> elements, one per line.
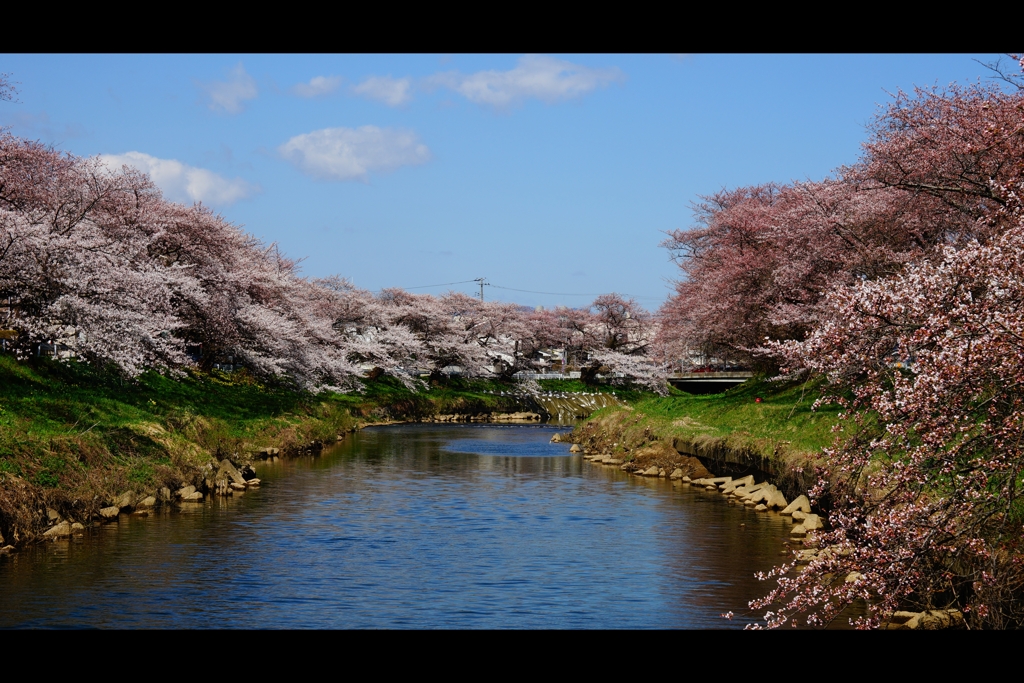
<point>99,265</point>
<point>900,281</point>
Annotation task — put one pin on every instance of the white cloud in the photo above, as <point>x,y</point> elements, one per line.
<point>393,92</point>
<point>318,86</point>
<point>351,153</point>
<point>230,95</point>
<point>545,78</point>
<point>183,183</point>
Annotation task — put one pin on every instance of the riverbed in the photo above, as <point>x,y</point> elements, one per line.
<point>413,526</point>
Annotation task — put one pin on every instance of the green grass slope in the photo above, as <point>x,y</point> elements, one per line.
<point>72,437</point>
<point>774,419</point>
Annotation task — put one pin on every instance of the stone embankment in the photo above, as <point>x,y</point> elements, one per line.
<point>688,470</point>
<point>30,517</point>
<point>227,477</point>
<point>679,463</point>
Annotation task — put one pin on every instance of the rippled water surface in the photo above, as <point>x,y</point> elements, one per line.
<point>423,526</point>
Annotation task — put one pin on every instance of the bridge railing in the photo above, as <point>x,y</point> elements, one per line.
<point>735,374</point>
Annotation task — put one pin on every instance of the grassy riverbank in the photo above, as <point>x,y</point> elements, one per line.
<point>72,438</point>
<point>781,427</point>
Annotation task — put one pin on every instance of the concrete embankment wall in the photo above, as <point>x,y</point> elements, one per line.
<point>790,473</point>
<point>572,406</point>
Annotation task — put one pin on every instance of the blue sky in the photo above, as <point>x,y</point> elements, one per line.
<point>552,173</point>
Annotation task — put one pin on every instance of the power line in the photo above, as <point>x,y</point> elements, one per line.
<point>443,284</point>
<point>531,291</point>
<point>527,291</point>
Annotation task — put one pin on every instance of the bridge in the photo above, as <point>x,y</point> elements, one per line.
<point>708,382</point>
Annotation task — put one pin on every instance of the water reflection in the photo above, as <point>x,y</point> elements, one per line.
<point>430,526</point>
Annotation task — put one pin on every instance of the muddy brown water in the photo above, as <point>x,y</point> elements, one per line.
<point>414,526</point>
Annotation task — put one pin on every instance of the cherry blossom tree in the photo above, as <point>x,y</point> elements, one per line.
<point>759,259</point>
<point>623,333</point>
<point>100,262</point>
<point>570,329</point>
<point>443,327</point>
<point>925,490</point>
<point>74,270</point>
<point>99,266</point>
<point>950,149</point>
<point>900,281</point>
<point>509,335</point>
<point>370,339</point>
<point>7,89</point>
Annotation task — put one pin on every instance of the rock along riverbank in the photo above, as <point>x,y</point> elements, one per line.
<point>775,484</point>
<point>194,471</point>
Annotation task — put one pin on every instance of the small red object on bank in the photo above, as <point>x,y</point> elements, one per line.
<point>757,400</point>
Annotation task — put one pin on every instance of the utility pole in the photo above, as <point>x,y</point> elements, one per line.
<point>481,281</point>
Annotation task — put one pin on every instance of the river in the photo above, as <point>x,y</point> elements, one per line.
<point>413,526</point>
